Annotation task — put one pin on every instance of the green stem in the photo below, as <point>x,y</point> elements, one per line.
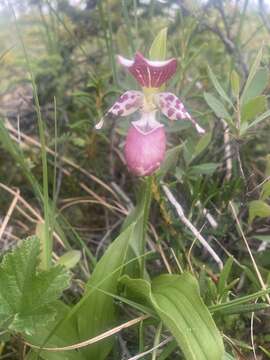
<point>147,197</point>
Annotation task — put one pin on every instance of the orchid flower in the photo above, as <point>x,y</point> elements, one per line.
<point>146,140</point>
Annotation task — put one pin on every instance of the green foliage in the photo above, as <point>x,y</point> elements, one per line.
<point>69,259</point>
<point>96,311</point>
<point>27,297</point>
<point>177,302</point>
<point>258,208</point>
<point>158,48</point>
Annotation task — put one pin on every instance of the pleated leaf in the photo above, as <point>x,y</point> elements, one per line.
<point>177,301</point>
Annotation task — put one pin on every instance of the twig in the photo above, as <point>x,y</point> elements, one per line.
<point>191,227</point>
<point>93,340</point>
<point>9,212</point>
<point>228,150</point>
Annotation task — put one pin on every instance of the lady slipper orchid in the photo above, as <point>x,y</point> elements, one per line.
<point>146,140</point>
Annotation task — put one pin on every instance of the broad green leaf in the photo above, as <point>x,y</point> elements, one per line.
<point>95,311</point>
<point>203,169</point>
<point>218,87</point>
<point>177,301</point>
<point>170,161</point>
<point>69,259</point>
<point>159,46</point>
<point>202,144</point>
<point>216,106</point>
<point>27,297</point>
<point>235,83</point>
<point>265,194</point>
<point>253,108</point>
<point>258,208</point>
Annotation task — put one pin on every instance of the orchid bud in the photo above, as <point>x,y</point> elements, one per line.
<point>145,147</point>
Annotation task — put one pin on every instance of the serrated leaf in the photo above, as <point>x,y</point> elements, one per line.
<point>176,300</point>
<point>27,298</point>
<point>159,46</point>
<point>55,335</point>
<point>216,106</point>
<point>258,208</point>
<point>253,108</point>
<point>218,87</point>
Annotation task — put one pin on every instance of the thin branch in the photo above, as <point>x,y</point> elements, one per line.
<point>191,227</point>
<point>93,340</point>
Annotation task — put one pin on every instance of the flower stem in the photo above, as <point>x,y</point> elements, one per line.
<point>147,197</point>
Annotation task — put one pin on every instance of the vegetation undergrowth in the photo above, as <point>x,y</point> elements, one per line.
<point>111,248</point>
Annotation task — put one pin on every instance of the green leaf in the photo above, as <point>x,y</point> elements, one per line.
<point>258,208</point>
<point>177,301</point>
<point>257,85</point>
<point>238,301</point>
<point>202,144</point>
<point>218,87</point>
<point>203,169</point>
<point>216,106</point>
<point>228,356</point>
<point>54,335</point>
<point>159,46</point>
<point>259,119</point>
<point>262,237</point>
<point>70,259</point>
<point>252,73</point>
<point>27,298</point>
<point>224,275</point>
<point>235,83</point>
<point>170,161</point>
<point>245,308</point>
<point>265,191</point>
<point>96,312</point>
<point>253,107</point>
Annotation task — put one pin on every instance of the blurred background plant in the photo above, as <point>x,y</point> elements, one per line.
<point>221,179</point>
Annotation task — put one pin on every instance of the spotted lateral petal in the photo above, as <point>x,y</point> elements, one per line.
<point>174,109</point>
<point>149,73</point>
<point>127,104</point>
